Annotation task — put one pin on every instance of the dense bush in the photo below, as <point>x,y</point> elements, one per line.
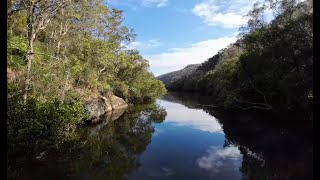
<point>36,126</point>
<point>270,67</point>
<point>81,52</point>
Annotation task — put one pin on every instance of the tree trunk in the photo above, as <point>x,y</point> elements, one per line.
<point>29,58</point>
<point>30,53</point>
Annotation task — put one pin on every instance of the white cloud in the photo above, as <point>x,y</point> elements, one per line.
<point>157,3</point>
<point>144,45</point>
<point>196,118</point>
<point>221,159</point>
<point>228,14</point>
<point>177,58</point>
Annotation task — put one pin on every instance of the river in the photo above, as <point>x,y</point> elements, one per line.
<point>182,137</point>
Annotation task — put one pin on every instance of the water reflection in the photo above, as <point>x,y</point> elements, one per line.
<point>196,118</point>
<point>213,161</point>
<point>272,146</point>
<point>182,139</point>
<point>109,149</point>
<point>98,124</point>
<point>189,144</point>
<point>114,149</point>
<point>222,162</point>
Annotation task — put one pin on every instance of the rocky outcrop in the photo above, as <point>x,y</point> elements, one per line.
<point>117,102</point>
<point>101,105</point>
<point>99,123</point>
<point>96,108</point>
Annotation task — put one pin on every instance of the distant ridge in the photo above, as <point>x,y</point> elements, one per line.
<point>188,76</point>
<point>175,75</point>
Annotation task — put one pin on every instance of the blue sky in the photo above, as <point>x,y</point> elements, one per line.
<point>174,33</point>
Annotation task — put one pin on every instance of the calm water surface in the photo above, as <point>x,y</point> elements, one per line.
<point>180,137</point>
<point>189,144</point>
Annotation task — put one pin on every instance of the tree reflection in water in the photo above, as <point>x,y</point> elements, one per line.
<point>273,146</point>
<point>113,150</point>
<point>108,149</point>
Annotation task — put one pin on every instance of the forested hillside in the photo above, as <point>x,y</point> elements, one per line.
<point>75,48</point>
<point>61,53</point>
<point>270,67</point>
<point>176,75</point>
<point>188,82</point>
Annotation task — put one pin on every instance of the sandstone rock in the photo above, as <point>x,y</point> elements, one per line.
<point>103,120</point>
<point>117,102</point>
<point>99,106</point>
<point>96,108</point>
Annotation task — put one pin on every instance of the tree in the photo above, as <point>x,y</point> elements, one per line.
<point>39,15</point>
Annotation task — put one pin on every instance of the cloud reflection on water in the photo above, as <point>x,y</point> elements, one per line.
<point>220,159</point>
<point>196,118</point>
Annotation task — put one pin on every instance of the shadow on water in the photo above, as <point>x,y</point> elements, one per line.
<point>112,148</point>
<point>273,146</point>
<point>108,149</point>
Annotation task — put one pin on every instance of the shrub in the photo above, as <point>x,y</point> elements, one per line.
<point>36,125</point>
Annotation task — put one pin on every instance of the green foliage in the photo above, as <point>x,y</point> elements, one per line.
<point>176,76</point>
<point>189,82</point>
<point>269,67</point>
<point>37,125</point>
<point>145,90</point>
<point>77,55</point>
<point>16,44</point>
<point>223,81</point>
<point>81,53</point>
